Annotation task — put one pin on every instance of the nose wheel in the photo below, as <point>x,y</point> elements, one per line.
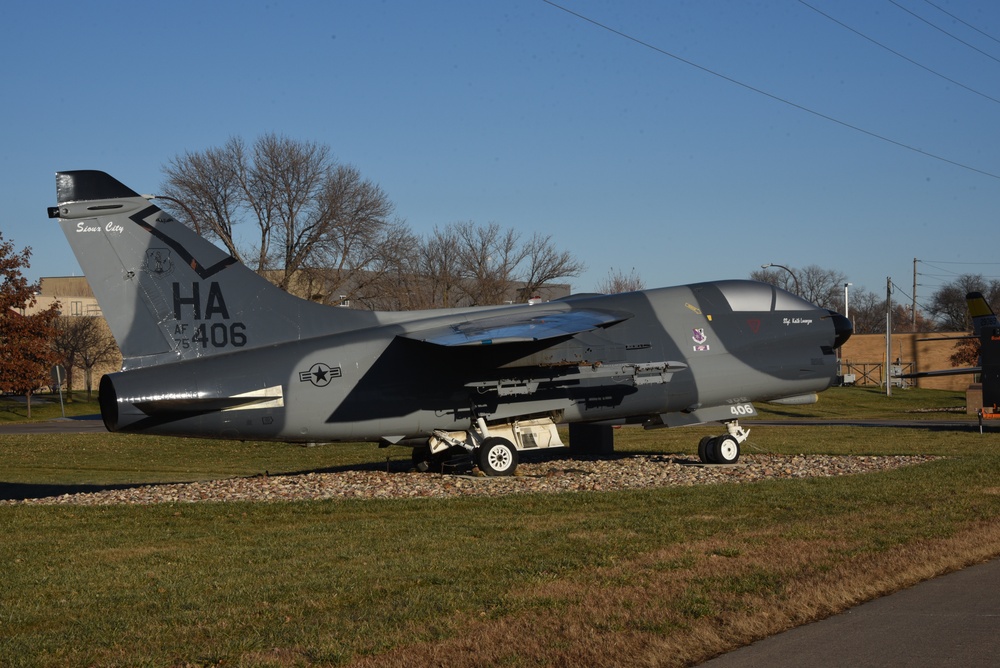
<point>723,449</point>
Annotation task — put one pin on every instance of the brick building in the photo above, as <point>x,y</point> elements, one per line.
<point>864,356</point>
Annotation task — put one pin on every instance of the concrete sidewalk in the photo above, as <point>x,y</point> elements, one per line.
<point>948,621</point>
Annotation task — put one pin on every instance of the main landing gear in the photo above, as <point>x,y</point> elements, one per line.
<point>494,448</point>
<point>723,449</point>
<point>496,456</point>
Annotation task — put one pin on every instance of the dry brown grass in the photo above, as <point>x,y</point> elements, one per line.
<point>659,610</point>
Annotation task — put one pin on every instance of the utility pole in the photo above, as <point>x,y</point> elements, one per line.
<point>913,310</point>
<point>888,336</point>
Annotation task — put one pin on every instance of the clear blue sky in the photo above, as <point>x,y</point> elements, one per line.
<point>520,113</point>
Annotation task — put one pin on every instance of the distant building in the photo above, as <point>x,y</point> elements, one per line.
<point>76,300</point>
<point>73,294</point>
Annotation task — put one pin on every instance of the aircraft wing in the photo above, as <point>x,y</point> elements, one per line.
<point>519,327</point>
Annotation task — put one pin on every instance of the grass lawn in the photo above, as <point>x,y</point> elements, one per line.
<point>872,402</point>
<point>46,407</point>
<point>664,576</point>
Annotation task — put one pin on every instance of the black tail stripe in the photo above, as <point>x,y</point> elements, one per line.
<point>140,220</point>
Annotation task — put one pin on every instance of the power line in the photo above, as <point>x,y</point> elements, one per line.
<point>909,297</point>
<point>936,27</point>
<point>770,95</point>
<point>948,278</point>
<point>947,272</point>
<point>951,274</point>
<point>957,262</point>
<point>897,53</point>
<point>965,23</point>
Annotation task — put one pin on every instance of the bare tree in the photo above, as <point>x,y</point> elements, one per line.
<point>465,264</point>
<point>545,264</point>
<point>867,312</point>
<point>325,232</point>
<point>84,342</point>
<point>209,188</point>
<point>66,343</point>
<point>488,257</point>
<point>394,283</point>
<point>471,264</point>
<point>312,214</point>
<point>363,244</point>
<point>440,265</point>
<point>101,351</point>
<point>618,281</point>
<point>823,287</point>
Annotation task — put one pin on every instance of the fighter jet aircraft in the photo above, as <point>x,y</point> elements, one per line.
<point>212,349</point>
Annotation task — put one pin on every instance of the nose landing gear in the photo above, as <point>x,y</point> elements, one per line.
<point>723,449</point>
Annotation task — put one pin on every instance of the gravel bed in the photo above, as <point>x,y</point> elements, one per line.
<point>566,475</point>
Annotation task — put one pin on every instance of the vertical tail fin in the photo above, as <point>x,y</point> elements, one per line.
<point>167,293</point>
<point>982,314</point>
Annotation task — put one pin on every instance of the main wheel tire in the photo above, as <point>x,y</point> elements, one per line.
<point>726,450</point>
<point>496,456</point>
<point>703,449</point>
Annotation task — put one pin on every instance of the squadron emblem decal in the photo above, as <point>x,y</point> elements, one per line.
<point>700,338</point>
<point>158,263</point>
<point>320,374</point>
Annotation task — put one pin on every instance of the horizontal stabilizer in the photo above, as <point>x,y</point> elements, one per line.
<point>520,327</point>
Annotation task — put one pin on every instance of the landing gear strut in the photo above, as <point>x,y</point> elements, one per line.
<point>723,449</point>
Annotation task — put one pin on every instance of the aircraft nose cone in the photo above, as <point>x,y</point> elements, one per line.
<point>843,328</point>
